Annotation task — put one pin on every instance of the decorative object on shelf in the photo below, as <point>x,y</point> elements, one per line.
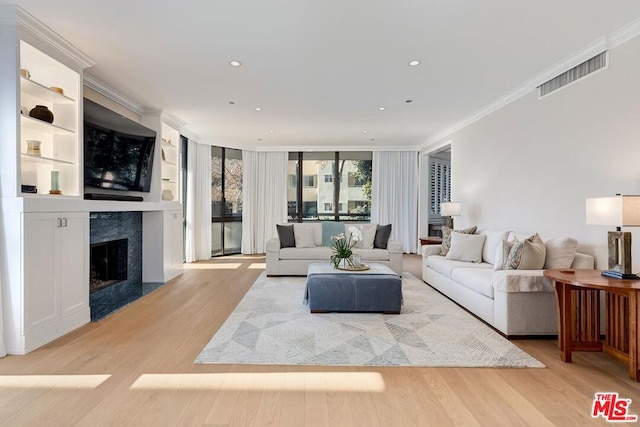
<point>33,147</point>
<point>41,112</point>
<point>167,195</point>
<point>25,73</point>
<point>620,211</point>
<point>55,183</point>
<point>57,89</point>
<point>29,189</point>
<point>167,141</point>
<point>164,158</point>
<point>450,209</point>
<point>342,256</point>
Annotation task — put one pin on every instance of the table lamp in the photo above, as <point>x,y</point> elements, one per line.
<point>450,209</point>
<point>620,211</point>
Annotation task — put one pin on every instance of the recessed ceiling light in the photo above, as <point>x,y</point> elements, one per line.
<point>373,139</point>
<point>259,139</point>
<point>414,63</point>
<point>232,102</point>
<point>270,131</point>
<point>258,109</point>
<point>382,108</point>
<point>409,101</point>
<point>235,63</point>
<point>365,131</point>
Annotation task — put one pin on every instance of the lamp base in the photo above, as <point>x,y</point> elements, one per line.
<point>617,275</point>
<point>450,222</point>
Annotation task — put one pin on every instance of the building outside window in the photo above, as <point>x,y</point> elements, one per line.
<point>337,182</point>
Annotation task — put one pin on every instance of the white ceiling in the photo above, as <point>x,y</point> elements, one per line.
<point>320,69</point>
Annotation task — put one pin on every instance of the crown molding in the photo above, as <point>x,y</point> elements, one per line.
<point>172,120</point>
<point>100,87</point>
<point>615,39</point>
<point>30,25</point>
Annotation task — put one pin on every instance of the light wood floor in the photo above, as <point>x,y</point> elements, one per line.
<point>136,368</point>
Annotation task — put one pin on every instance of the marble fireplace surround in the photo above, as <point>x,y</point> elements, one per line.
<point>112,226</point>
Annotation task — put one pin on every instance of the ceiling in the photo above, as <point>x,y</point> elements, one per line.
<point>321,69</point>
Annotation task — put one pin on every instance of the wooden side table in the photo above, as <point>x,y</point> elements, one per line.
<point>431,240</point>
<point>578,295</point>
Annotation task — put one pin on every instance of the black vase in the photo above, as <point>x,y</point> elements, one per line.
<point>41,112</point>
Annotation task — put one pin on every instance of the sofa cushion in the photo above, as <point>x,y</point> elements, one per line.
<point>368,235</point>
<point>320,253</point>
<point>502,255</point>
<point>372,254</point>
<point>466,247</point>
<point>478,280</point>
<point>560,252</point>
<point>383,232</point>
<point>330,229</point>
<point>446,237</point>
<point>446,266</point>
<point>528,254</point>
<point>286,236</point>
<point>494,237</point>
<point>310,233</point>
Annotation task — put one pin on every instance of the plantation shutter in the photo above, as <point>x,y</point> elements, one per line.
<point>439,184</point>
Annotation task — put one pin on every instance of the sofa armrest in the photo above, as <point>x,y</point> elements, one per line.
<point>430,250</point>
<point>521,281</point>
<point>394,246</point>
<point>273,245</point>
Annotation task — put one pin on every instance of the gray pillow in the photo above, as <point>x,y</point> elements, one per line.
<point>286,236</point>
<point>382,236</point>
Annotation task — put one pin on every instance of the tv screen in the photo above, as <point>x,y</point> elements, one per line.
<point>118,152</point>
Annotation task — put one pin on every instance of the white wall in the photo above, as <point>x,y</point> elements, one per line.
<point>530,165</point>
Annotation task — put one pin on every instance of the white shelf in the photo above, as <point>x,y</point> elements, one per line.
<point>167,143</point>
<point>43,92</point>
<point>42,159</point>
<point>41,126</point>
<point>168,181</point>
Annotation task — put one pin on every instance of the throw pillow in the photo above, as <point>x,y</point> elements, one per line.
<point>368,235</point>
<point>446,237</point>
<point>466,247</point>
<point>560,252</point>
<point>304,236</point>
<point>502,255</point>
<point>383,232</point>
<point>285,234</point>
<point>330,229</point>
<point>527,255</point>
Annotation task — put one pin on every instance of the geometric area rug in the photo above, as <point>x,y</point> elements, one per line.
<point>271,325</point>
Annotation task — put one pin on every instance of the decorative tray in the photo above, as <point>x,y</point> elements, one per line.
<point>361,267</point>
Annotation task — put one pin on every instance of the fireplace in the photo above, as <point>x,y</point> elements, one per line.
<point>108,263</point>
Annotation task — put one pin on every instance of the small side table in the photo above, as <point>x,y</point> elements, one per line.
<point>431,240</point>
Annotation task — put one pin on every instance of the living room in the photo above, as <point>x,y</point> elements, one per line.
<point>281,82</point>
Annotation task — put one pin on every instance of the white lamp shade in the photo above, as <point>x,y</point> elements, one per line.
<point>450,208</point>
<point>619,211</point>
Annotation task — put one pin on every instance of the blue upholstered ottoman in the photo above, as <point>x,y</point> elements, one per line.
<point>378,289</point>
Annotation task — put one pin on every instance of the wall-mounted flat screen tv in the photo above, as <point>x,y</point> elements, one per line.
<point>118,152</point>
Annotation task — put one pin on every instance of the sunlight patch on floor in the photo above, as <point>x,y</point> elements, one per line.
<point>218,266</point>
<point>52,381</point>
<point>371,382</point>
<point>258,266</point>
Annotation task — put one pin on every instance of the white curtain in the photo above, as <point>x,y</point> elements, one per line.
<point>264,198</point>
<point>198,239</point>
<point>3,349</point>
<point>394,195</point>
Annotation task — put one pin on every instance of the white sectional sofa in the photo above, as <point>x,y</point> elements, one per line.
<point>294,261</point>
<point>515,302</point>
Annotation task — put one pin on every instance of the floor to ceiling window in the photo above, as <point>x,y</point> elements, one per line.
<point>329,186</point>
<point>226,201</point>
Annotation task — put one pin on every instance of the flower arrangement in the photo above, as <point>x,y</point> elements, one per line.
<point>342,247</point>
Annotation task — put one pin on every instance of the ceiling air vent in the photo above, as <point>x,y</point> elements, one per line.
<point>576,73</point>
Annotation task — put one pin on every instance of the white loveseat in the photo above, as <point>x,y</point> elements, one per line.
<point>515,302</point>
<point>294,261</point>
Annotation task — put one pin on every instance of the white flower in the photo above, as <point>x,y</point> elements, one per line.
<point>338,237</point>
<point>356,233</point>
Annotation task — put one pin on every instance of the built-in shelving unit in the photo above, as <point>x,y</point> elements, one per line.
<point>60,141</point>
<point>170,161</point>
